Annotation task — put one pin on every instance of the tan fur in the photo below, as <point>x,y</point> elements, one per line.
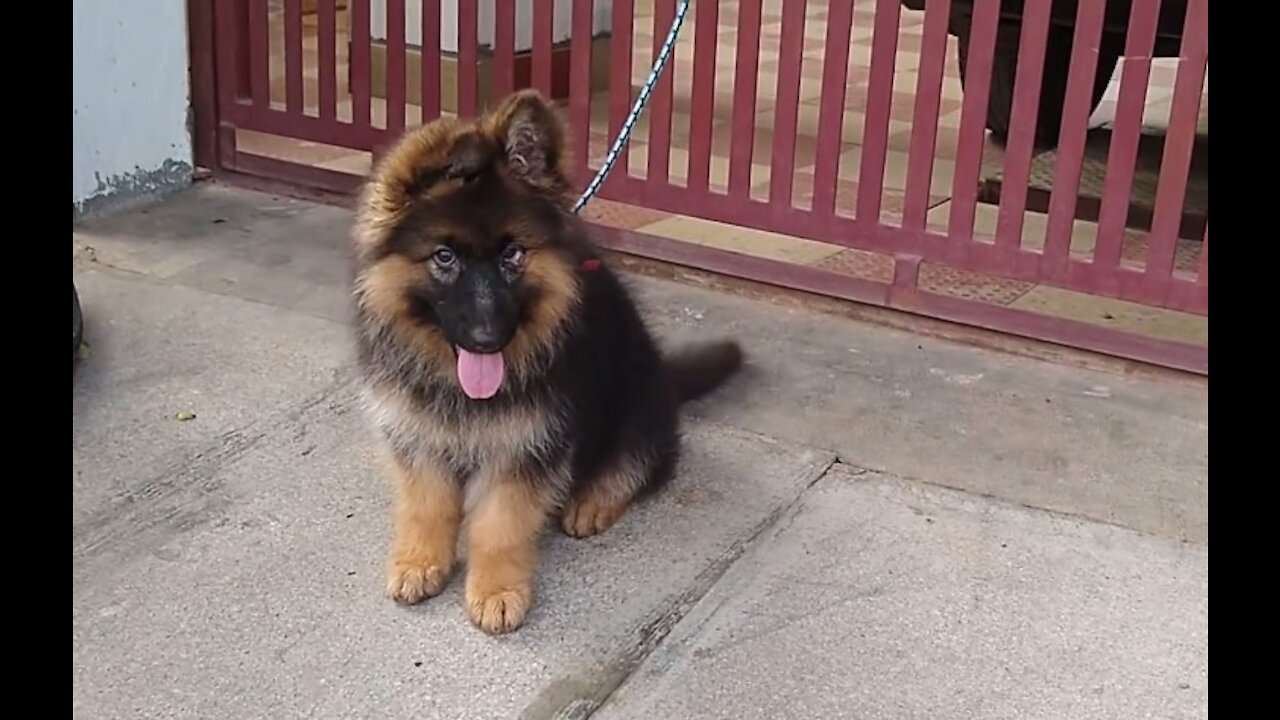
<point>602,503</point>
<point>592,514</point>
<point>381,290</point>
<point>386,197</point>
<point>502,555</point>
<point>428,511</point>
<point>497,440</point>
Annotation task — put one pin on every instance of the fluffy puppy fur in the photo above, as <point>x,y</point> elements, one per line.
<point>471,272</point>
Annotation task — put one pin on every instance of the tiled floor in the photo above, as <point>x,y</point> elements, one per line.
<point>1152,322</point>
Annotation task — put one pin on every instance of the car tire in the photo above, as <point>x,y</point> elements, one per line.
<point>1053,85</point>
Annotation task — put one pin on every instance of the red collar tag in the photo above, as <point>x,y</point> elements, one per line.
<point>590,265</point>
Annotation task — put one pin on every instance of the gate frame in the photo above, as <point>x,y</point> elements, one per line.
<point>202,62</point>
<point>214,143</point>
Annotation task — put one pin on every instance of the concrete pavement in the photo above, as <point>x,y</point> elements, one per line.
<point>869,524</point>
<point>878,598</point>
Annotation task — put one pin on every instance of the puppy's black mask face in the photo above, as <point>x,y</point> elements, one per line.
<point>475,246</point>
<point>467,235</point>
<point>476,296</point>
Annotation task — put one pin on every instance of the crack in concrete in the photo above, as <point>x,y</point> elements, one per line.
<point>1003,500</point>
<point>859,470</point>
<point>577,699</point>
<point>189,491</point>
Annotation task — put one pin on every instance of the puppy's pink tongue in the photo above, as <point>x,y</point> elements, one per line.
<point>480,374</point>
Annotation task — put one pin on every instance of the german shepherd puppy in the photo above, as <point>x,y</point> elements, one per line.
<point>508,373</point>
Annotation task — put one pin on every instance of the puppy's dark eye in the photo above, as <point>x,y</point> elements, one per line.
<point>444,257</point>
<point>513,255</point>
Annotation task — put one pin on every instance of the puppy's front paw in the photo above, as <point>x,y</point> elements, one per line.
<point>409,583</point>
<point>496,609</point>
<point>586,517</point>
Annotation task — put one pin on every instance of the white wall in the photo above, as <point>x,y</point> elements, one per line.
<point>562,22</point>
<point>129,100</point>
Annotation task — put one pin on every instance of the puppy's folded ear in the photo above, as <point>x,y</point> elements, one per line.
<point>424,161</point>
<point>532,138</point>
<point>466,158</point>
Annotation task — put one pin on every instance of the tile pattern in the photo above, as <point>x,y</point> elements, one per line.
<point>1186,255</point>
<point>858,263</point>
<point>968,285</point>
<point>621,216</point>
<point>862,264</point>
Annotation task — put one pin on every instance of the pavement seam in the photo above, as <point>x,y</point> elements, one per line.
<point>129,273</point>
<point>651,634</point>
<point>862,471</point>
<point>867,469</point>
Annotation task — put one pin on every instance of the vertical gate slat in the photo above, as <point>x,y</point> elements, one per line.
<point>661,102</point>
<point>468,58</point>
<point>1175,164</point>
<point>973,112</point>
<point>1022,123</point>
<point>620,78</point>
<point>359,68</point>
<point>504,48</point>
<point>875,134</point>
<point>580,84</point>
<point>431,92</point>
<point>743,130</point>
<point>232,79</point>
<point>787,107</point>
<point>293,56</point>
<point>233,56</point>
<point>395,66</point>
<point>259,54</point>
<point>1126,131</point>
<point>835,69</point>
<point>702,102</point>
<point>924,121</point>
<point>543,22</point>
<point>327,57</point>
<point>1077,108</point>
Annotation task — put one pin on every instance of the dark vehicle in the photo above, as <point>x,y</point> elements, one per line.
<point>1057,60</point>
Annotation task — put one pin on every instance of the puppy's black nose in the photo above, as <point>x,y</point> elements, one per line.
<point>483,338</point>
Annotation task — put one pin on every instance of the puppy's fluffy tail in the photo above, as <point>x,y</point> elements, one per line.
<point>696,370</point>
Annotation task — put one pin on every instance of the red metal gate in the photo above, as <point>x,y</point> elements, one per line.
<point>321,75</point>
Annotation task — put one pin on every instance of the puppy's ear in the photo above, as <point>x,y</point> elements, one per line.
<point>532,138</point>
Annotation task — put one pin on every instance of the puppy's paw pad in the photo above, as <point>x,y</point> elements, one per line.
<point>410,583</point>
<point>500,610</point>
<point>584,518</point>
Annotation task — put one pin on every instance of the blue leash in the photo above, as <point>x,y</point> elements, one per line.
<point>636,109</point>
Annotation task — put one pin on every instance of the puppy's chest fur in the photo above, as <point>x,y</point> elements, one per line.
<point>426,432</point>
